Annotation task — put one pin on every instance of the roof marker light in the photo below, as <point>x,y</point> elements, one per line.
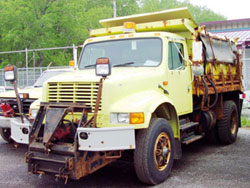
<point>129,27</point>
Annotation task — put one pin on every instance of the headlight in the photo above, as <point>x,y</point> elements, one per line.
<point>10,73</point>
<point>33,113</point>
<point>117,118</point>
<point>127,118</point>
<point>102,67</point>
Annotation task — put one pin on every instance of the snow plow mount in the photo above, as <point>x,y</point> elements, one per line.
<point>53,143</point>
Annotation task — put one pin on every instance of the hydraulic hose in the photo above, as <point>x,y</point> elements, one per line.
<point>216,92</point>
<point>206,89</point>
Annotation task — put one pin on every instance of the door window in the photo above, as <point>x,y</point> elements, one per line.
<point>175,54</point>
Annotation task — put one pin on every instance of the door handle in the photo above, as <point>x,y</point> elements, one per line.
<point>164,90</point>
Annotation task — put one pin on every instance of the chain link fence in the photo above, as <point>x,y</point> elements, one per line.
<point>27,76</point>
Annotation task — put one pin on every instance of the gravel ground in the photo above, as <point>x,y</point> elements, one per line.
<point>202,165</point>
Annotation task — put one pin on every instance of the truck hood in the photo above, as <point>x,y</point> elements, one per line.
<point>34,93</point>
<point>117,74</point>
<point>122,83</point>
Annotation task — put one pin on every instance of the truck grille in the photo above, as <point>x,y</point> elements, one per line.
<point>13,103</point>
<point>75,92</point>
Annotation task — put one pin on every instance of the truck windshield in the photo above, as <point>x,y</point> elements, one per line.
<point>128,52</point>
<point>46,75</point>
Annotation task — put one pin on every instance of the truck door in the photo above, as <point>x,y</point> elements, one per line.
<point>179,77</point>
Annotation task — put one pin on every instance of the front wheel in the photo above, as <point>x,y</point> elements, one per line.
<point>5,133</point>
<point>154,153</point>
<point>228,126</point>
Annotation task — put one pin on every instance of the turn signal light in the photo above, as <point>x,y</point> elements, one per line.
<point>165,83</point>
<point>136,118</point>
<point>9,68</point>
<point>71,63</point>
<point>24,95</point>
<point>102,61</point>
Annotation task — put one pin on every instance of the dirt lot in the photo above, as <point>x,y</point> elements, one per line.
<point>202,165</point>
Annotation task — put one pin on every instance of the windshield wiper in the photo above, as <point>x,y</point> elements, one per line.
<point>124,64</point>
<point>92,65</point>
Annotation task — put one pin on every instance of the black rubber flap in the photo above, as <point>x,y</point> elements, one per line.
<point>53,118</point>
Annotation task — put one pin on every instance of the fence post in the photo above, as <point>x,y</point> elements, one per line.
<point>75,55</point>
<point>26,65</point>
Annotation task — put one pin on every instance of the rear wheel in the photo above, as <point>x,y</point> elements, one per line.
<point>153,157</point>
<point>228,126</point>
<point>5,133</point>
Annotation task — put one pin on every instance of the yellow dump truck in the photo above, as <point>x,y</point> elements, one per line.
<point>145,85</point>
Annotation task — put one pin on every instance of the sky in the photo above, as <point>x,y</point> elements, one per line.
<point>232,9</point>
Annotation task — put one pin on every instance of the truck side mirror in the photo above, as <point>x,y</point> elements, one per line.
<point>10,73</point>
<point>197,50</point>
<point>197,58</point>
<point>103,67</point>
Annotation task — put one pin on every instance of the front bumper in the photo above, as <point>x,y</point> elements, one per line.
<point>106,139</point>
<point>20,131</point>
<point>5,122</point>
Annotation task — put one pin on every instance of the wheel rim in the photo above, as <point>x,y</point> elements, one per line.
<point>233,123</point>
<point>162,151</point>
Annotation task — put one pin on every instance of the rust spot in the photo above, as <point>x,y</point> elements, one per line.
<point>102,142</point>
<point>183,20</point>
<point>130,146</point>
<point>89,146</point>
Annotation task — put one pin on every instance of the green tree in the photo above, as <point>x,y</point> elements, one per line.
<point>200,13</point>
<point>46,23</point>
<point>126,7</point>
